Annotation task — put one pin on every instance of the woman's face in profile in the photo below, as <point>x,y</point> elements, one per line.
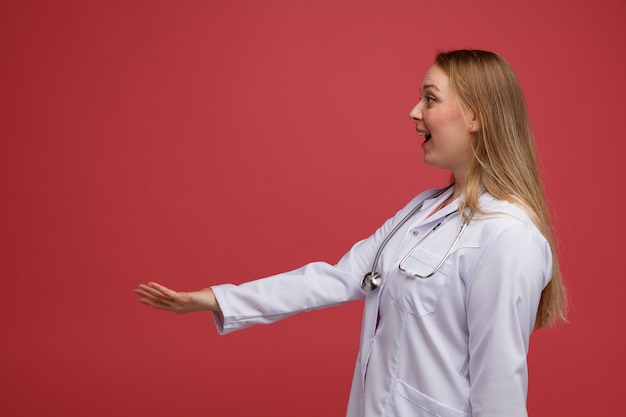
<point>439,120</point>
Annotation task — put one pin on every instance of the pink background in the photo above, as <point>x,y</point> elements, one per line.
<point>200,142</point>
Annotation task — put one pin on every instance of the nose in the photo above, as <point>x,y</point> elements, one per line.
<point>416,113</point>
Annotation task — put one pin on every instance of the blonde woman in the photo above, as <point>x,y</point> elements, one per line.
<point>454,283</point>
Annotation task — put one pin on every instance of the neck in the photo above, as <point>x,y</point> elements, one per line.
<point>459,184</point>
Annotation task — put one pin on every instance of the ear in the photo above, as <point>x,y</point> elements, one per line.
<point>474,124</point>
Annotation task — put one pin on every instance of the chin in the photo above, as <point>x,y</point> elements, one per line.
<point>429,161</point>
<point>433,163</point>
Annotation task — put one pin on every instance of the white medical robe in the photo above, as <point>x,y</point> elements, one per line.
<point>453,345</point>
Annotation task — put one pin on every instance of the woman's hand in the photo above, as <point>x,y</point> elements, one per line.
<point>162,298</point>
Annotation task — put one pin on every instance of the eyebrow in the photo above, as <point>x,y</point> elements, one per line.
<point>431,86</point>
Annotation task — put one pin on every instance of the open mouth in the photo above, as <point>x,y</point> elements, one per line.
<point>425,135</point>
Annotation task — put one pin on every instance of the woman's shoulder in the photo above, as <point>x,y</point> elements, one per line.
<point>492,207</point>
<point>499,216</point>
<point>503,230</point>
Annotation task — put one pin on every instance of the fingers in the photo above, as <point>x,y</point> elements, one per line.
<point>157,296</point>
<point>156,291</point>
<point>153,303</point>
<point>161,289</point>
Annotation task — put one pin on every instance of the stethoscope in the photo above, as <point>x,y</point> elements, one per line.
<point>373,279</point>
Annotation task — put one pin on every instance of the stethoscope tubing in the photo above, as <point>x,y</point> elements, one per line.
<point>445,257</point>
<point>373,275</point>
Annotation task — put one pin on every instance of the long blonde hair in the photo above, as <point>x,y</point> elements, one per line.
<point>504,162</point>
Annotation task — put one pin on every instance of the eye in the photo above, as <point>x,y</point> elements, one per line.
<point>430,99</point>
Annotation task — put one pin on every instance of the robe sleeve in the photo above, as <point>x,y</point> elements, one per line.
<point>503,293</point>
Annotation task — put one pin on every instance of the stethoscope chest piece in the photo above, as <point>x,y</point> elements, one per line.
<point>371,281</point>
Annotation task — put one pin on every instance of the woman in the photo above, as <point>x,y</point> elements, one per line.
<point>464,274</point>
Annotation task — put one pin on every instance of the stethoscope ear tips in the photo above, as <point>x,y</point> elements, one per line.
<point>370,281</point>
